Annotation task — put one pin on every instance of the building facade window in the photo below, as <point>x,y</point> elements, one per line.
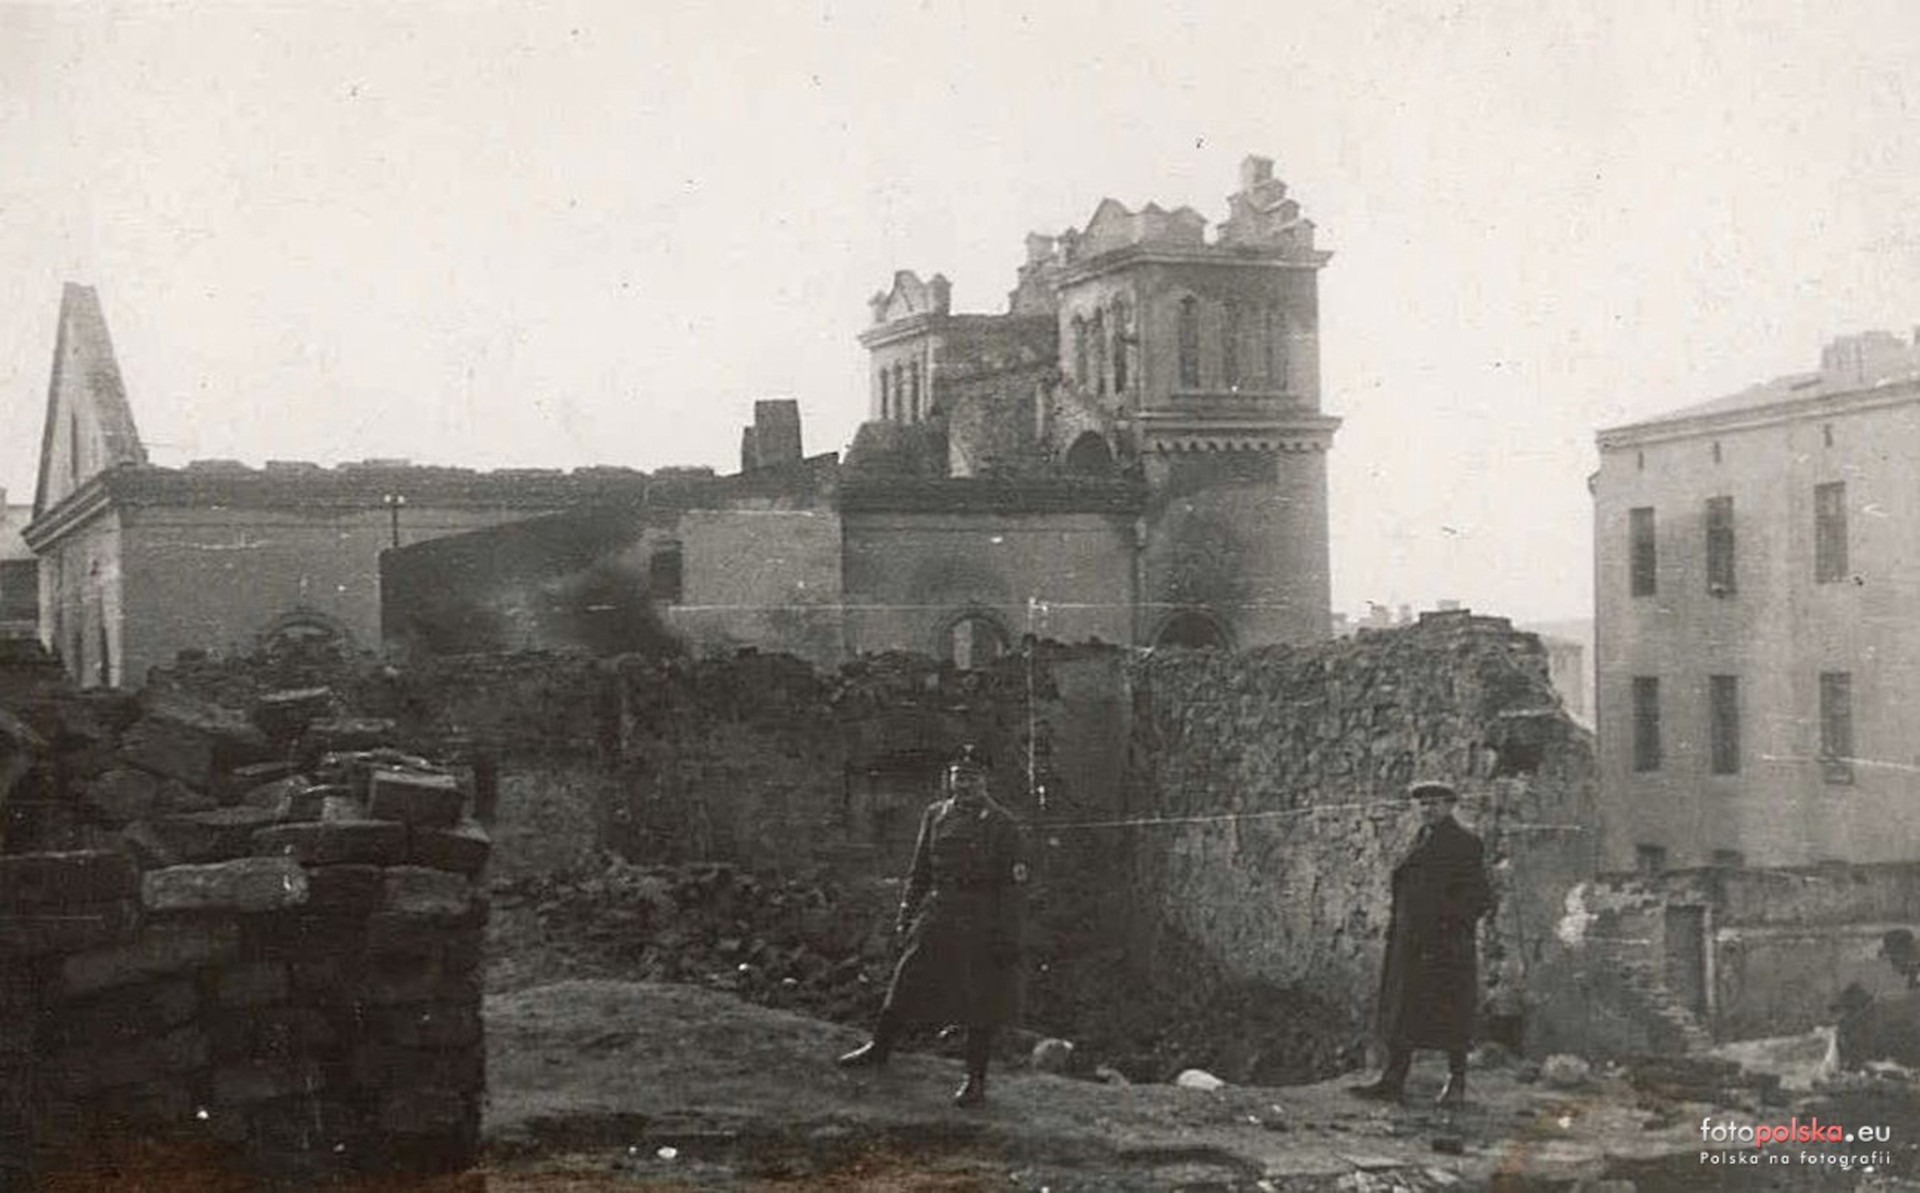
<point>1189,337</point>
<point>1119,346</point>
<point>1646,723</point>
<point>1230,332</point>
<point>1830,532</point>
<point>1723,723</point>
<point>1836,725</point>
<point>1274,347</point>
<point>1720,546</point>
<point>886,395</point>
<point>899,391</point>
<point>1643,558</point>
<point>1097,332</point>
<point>1079,352</point>
<point>913,391</point>
<point>666,574</point>
<point>19,590</point>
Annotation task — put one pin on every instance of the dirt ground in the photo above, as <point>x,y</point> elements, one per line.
<point>604,1084</point>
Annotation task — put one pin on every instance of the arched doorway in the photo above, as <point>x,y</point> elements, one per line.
<point>1192,629</point>
<point>305,635</point>
<point>1090,456</point>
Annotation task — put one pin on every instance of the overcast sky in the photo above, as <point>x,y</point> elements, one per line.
<point>575,234</point>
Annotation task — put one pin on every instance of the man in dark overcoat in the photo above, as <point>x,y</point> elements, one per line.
<point>962,917</point>
<point>1430,980</point>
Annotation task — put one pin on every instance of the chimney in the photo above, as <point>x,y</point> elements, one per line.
<point>1254,171</point>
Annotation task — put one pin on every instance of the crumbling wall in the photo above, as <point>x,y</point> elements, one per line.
<point>1271,799</point>
<point>258,938</point>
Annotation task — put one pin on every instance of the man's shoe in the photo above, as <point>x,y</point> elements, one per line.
<point>972,1092</point>
<point>1377,1091</point>
<point>1453,1095</point>
<point>870,1055</point>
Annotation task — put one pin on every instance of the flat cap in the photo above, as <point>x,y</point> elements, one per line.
<point>1433,789</point>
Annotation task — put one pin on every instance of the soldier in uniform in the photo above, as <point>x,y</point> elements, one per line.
<point>1430,981</point>
<point>961,917</point>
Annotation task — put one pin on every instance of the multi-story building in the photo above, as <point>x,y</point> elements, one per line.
<point>19,574</point>
<point>1134,451</point>
<point>1757,568</point>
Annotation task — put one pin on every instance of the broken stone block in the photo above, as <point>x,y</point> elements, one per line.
<point>338,804</point>
<point>176,796</point>
<point>215,834</point>
<point>162,948</point>
<point>353,889</point>
<point>285,715</point>
<point>243,779</point>
<point>248,884</point>
<point>121,795</point>
<point>38,931</point>
<point>463,849</point>
<point>428,800</point>
<point>290,798</point>
<point>379,842</point>
<point>253,984</point>
<point>420,891</point>
<point>54,879</point>
<point>345,735</point>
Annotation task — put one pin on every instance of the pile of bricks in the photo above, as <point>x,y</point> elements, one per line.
<point>269,939</point>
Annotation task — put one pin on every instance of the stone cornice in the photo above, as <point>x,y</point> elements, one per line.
<point>1132,255</point>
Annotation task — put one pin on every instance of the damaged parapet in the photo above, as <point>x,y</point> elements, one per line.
<point>774,438</point>
<point>272,963</point>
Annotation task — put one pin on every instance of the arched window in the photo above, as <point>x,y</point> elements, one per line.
<point>1230,331</point>
<point>1119,345</point>
<point>1080,352</point>
<point>1190,342</point>
<point>1191,629</point>
<point>1097,332</point>
<point>973,639</point>
<point>1090,456</point>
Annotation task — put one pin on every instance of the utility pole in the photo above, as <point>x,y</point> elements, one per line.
<point>393,502</point>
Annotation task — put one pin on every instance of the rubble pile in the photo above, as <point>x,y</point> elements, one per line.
<point>804,944</point>
<point>261,931</point>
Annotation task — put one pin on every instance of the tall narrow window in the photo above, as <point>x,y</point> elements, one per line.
<point>1830,532</point>
<point>886,394</point>
<point>665,574</point>
<point>913,391</point>
<point>1723,723</point>
<point>1643,559</point>
<point>1836,725</point>
<point>1190,342</point>
<point>1646,723</point>
<point>1720,546</point>
<point>1079,352</point>
<point>1274,347</point>
<point>1097,332</point>
<point>899,391</point>
<point>1119,346</point>
<point>1230,332</point>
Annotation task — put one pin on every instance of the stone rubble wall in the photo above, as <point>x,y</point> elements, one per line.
<point>1281,775</point>
<point>255,933</point>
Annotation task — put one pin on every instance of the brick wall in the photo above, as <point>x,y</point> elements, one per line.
<point>270,951</point>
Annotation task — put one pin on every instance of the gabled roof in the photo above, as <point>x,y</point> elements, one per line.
<point>86,396</point>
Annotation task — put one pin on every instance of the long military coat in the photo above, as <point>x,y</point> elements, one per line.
<point>964,910</point>
<point>1429,984</point>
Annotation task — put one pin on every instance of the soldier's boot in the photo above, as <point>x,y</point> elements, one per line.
<point>1453,1095</point>
<point>973,1091</point>
<point>1392,1082</point>
<point>874,1052</point>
